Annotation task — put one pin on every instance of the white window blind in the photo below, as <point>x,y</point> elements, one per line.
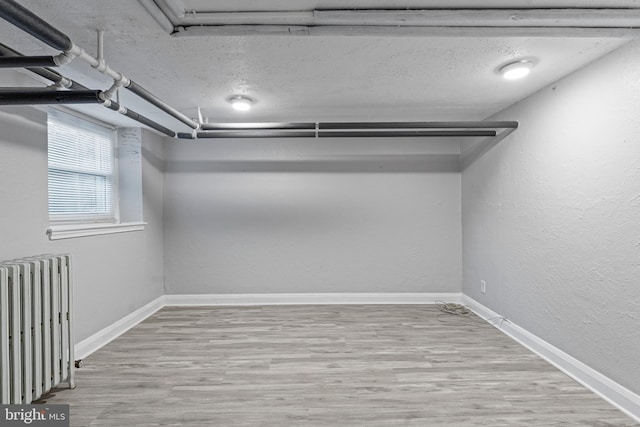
<point>81,169</point>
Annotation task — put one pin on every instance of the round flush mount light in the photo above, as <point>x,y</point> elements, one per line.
<point>241,102</point>
<point>516,70</point>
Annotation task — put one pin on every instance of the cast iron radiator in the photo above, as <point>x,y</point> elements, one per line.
<point>36,329</point>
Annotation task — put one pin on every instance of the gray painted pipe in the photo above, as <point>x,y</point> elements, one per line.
<point>38,28</point>
<point>34,25</point>
<point>354,126</point>
<point>255,126</point>
<point>139,118</point>
<point>56,77</point>
<point>405,133</point>
<point>418,125</point>
<point>51,75</point>
<point>257,134</point>
<point>7,52</point>
<point>152,99</point>
<point>31,96</point>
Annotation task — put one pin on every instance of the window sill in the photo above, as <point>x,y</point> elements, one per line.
<point>57,232</point>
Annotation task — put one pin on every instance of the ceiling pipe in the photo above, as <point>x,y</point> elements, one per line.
<point>152,99</point>
<point>47,73</point>
<point>34,96</point>
<point>27,61</point>
<point>359,128</point>
<point>48,96</point>
<point>267,133</point>
<point>113,105</point>
<point>57,78</point>
<point>34,25</point>
<point>263,133</point>
<point>186,135</point>
<point>434,22</point>
<point>304,17</point>
<point>400,31</point>
<point>254,126</point>
<point>469,17</point>
<point>418,125</point>
<point>621,17</point>
<point>404,133</point>
<point>551,17</point>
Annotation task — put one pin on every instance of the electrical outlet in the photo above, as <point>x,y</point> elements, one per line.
<point>483,286</point>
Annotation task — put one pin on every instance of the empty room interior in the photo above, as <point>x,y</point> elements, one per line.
<point>321,212</point>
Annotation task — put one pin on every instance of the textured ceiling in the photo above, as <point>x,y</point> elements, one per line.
<point>309,78</point>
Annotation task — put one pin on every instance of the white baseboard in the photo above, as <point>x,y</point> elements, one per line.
<point>619,396</point>
<point>310,299</point>
<point>101,338</point>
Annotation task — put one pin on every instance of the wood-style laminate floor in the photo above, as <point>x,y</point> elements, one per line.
<point>331,365</point>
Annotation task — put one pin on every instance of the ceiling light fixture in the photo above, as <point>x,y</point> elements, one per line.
<point>516,70</point>
<point>241,102</point>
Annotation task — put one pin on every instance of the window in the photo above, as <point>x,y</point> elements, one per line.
<point>81,170</point>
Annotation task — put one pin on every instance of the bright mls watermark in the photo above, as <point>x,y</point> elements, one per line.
<point>34,415</point>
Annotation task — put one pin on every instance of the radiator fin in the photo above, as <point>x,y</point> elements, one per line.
<point>36,329</point>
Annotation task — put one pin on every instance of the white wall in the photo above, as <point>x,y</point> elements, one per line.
<point>114,274</point>
<point>312,216</point>
<point>551,217</point>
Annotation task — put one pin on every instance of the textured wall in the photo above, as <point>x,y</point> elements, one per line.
<point>114,274</point>
<point>312,216</point>
<point>551,217</point>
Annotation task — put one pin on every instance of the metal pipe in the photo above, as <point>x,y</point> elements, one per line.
<point>112,105</point>
<point>26,96</point>
<point>100,45</point>
<point>251,126</point>
<point>152,99</point>
<point>405,133</point>
<point>34,25</point>
<point>27,61</point>
<point>257,134</point>
<point>95,63</point>
<point>361,125</point>
<point>293,17</point>
<point>186,135</point>
<point>23,96</point>
<point>623,17</point>
<point>346,134</point>
<point>556,17</point>
<point>418,125</point>
<point>56,77</point>
<point>51,75</point>
<point>400,31</point>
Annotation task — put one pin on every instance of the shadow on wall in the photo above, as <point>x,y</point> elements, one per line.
<point>417,163</point>
<point>16,120</point>
<point>153,159</point>
<point>473,151</point>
